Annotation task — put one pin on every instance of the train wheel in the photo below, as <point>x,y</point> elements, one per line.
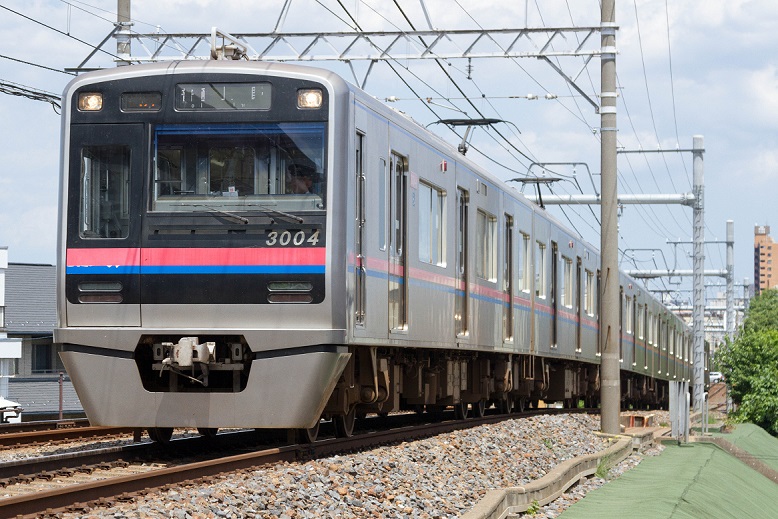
<point>479,408</point>
<point>506,405</point>
<point>344,424</point>
<point>520,404</point>
<point>460,410</point>
<point>308,435</point>
<point>161,435</point>
<point>208,432</point>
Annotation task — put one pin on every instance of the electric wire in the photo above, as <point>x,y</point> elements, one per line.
<point>58,31</point>
<point>37,65</point>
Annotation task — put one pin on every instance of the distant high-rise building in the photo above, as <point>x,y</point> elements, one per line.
<point>763,259</point>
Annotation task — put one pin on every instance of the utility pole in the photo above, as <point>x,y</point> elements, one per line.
<point>730,279</point>
<point>123,23</point>
<point>610,388</point>
<point>698,282</point>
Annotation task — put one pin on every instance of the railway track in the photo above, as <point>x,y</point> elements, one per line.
<point>44,486</point>
<point>37,437</point>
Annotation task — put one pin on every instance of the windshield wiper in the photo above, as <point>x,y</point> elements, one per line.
<point>267,209</point>
<point>222,212</point>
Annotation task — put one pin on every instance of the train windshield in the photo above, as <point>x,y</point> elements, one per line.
<point>245,167</point>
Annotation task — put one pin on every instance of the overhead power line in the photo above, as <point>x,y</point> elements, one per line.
<point>31,93</point>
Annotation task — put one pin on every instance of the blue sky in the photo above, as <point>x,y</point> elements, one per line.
<point>684,68</point>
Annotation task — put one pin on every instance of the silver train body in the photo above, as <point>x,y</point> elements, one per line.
<point>197,290</point>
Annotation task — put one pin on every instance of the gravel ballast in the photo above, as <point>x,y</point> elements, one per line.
<point>438,477</point>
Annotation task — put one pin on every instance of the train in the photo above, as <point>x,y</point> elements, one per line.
<point>265,245</point>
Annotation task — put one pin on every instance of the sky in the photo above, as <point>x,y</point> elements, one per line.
<point>684,68</point>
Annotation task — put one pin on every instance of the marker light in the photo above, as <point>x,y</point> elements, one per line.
<point>90,102</point>
<point>309,98</point>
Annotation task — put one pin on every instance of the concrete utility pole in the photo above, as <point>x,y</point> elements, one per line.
<point>610,388</point>
<point>698,282</point>
<point>123,23</point>
<point>730,279</point>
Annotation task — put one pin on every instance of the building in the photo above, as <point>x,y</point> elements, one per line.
<point>763,259</point>
<point>33,379</point>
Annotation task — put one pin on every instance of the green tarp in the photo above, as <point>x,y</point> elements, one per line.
<point>694,481</point>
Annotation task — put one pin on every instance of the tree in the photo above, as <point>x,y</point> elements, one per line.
<point>750,364</point>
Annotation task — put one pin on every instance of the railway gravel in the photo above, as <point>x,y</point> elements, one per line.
<point>439,477</point>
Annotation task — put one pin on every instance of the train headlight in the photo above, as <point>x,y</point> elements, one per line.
<point>309,98</point>
<point>90,102</point>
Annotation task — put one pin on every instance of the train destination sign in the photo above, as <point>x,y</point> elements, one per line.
<point>223,96</point>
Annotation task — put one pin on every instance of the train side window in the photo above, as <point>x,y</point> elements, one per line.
<point>640,322</point>
<point>540,270</point>
<point>589,293</point>
<point>486,246</point>
<point>567,282</point>
<point>382,181</point>
<point>525,267</point>
<point>431,228</point>
<point>628,314</point>
<point>104,198</point>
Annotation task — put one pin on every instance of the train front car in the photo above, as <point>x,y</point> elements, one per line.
<point>195,245</point>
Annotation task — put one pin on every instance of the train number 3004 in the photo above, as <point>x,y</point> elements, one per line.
<point>291,238</point>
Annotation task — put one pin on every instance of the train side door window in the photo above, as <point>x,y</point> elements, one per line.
<point>567,282</point>
<point>431,228</point>
<point>486,246</point>
<point>540,270</point>
<point>382,204</point>
<point>525,267</point>
<point>104,192</point>
<point>589,293</point>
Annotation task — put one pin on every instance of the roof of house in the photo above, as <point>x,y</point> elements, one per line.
<point>30,299</point>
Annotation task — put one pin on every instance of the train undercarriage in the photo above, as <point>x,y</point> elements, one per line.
<point>381,380</point>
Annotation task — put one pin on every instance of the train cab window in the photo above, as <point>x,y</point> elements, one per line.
<point>239,167</point>
<point>104,192</point>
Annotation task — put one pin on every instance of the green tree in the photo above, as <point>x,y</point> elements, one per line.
<point>750,364</point>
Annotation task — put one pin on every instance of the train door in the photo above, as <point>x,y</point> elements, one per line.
<point>398,276</point>
<point>103,250</point>
<point>507,286</point>
<point>578,303</point>
<point>554,295</point>
<point>461,307</point>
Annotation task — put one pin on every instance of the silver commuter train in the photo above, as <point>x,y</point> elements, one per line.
<point>263,245</point>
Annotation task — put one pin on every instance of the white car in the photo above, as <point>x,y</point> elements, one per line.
<point>716,377</point>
